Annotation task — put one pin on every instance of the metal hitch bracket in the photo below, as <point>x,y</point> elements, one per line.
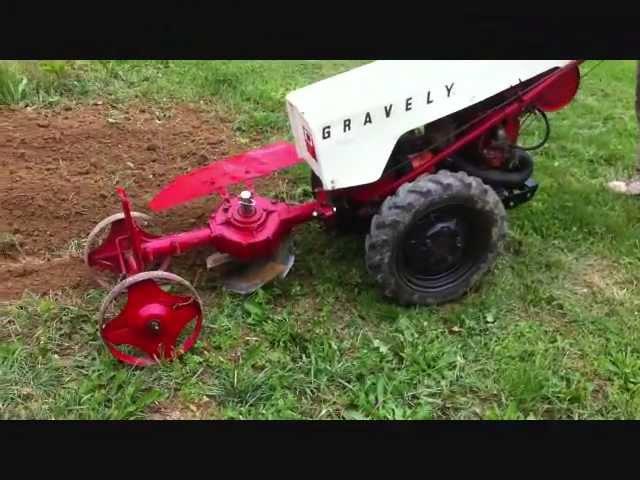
<point>513,197</point>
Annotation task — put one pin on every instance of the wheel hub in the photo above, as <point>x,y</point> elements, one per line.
<point>154,326</point>
<point>152,321</point>
<point>106,258</point>
<point>436,246</point>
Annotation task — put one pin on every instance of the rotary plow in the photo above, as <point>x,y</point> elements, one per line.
<point>424,155</point>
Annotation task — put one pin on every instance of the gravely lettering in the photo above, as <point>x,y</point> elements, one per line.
<point>429,101</point>
<point>449,88</point>
<point>388,109</point>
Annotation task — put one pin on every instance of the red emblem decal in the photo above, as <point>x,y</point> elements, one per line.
<point>309,143</point>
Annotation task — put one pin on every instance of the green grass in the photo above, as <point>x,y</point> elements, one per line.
<point>251,92</point>
<point>551,333</point>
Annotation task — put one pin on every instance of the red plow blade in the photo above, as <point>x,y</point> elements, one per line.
<point>216,177</point>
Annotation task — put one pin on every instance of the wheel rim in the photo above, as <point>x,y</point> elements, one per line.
<point>443,246</point>
<point>103,276</point>
<point>152,320</point>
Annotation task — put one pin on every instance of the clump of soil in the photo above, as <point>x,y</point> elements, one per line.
<point>9,245</point>
<point>61,168</point>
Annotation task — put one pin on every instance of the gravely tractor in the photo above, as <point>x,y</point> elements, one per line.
<point>426,154</point>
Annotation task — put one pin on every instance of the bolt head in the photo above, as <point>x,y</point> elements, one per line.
<point>154,326</point>
<point>246,195</point>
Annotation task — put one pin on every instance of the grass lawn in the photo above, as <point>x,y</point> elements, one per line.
<point>551,333</point>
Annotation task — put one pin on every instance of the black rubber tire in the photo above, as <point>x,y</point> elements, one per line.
<point>411,202</point>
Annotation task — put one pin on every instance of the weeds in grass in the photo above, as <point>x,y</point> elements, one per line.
<point>12,86</point>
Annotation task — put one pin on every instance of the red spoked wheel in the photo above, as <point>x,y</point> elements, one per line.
<point>142,324</point>
<point>105,243</point>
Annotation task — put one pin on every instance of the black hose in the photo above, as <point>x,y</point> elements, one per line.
<point>544,140</point>
<point>495,177</point>
<point>506,178</point>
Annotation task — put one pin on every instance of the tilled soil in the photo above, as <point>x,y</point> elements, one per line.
<point>60,169</point>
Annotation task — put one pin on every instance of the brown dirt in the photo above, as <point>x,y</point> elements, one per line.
<point>42,276</point>
<point>59,173</point>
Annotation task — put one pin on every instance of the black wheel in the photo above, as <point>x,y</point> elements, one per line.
<point>433,240</point>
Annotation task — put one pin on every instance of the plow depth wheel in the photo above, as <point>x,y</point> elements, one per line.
<point>104,234</point>
<point>140,315</point>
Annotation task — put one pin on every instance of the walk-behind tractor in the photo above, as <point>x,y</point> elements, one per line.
<point>426,154</point>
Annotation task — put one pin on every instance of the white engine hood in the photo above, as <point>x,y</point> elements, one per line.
<point>355,118</point>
